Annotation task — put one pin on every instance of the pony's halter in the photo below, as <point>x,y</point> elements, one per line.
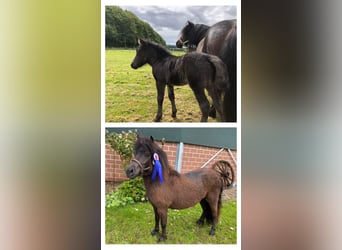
<point>143,169</point>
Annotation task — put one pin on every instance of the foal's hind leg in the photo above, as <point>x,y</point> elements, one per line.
<point>212,112</point>
<point>172,100</point>
<point>203,103</point>
<point>217,101</point>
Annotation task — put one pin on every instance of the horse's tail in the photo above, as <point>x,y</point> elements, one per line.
<point>207,210</point>
<point>219,204</point>
<point>227,175</point>
<point>228,55</point>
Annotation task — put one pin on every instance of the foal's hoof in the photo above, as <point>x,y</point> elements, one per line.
<point>212,232</point>
<point>212,112</point>
<point>157,119</point>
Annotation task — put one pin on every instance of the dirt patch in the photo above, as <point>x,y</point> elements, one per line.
<point>229,193</point>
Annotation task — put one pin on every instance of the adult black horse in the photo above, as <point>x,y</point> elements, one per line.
<point>219,40</point>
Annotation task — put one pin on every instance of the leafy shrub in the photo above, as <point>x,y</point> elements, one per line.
<point>123,144</point>
<point>114,199</point>
<point>129,192</point>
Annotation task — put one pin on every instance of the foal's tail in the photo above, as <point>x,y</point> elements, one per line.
<point>219,84</point>
<point>220,76</point>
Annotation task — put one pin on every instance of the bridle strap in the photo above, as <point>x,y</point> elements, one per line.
<point>143,169</point>
<point>183,42</point>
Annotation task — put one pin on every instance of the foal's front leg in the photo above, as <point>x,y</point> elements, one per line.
<point>160,99</point>
<point>172,100</point>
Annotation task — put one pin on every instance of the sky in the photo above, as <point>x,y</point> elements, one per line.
<point>169,20</point>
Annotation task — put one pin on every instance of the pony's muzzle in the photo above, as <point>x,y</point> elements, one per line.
<point>132,171</point>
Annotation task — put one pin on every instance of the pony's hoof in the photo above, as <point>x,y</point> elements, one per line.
<point>154,232</point>
<point>200,222</point>
<point>162,238</point>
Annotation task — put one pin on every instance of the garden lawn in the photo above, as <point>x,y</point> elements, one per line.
<point>133,223</point>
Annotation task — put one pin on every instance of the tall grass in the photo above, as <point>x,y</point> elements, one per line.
<point>131,95</point>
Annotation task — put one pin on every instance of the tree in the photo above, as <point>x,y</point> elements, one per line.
<point>123,29</point>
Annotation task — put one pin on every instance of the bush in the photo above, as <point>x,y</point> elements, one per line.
<point>123,144</point>
<point>129,192</point>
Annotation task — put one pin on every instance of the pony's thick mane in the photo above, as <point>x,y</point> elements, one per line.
<point>154,148</point>
<point>164,160</point>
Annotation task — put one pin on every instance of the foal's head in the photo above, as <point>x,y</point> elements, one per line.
<point>141,56</point>
<point>148,52</point>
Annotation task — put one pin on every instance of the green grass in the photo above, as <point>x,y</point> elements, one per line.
<point>131,95</point>
<point>132,224</point>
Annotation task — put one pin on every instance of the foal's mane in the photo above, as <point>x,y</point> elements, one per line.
<point>161,51</point>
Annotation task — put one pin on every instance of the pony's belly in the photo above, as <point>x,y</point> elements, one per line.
<point>186,202</point>
<point>183,205</point>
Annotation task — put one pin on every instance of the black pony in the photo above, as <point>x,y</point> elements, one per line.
<point>219,40</point>
<point>201,71</point>
<point>166,188</point>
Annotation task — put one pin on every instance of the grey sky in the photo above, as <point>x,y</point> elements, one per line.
<point>169,20</point>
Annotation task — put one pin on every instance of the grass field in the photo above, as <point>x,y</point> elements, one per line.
<point>131,95</point>
<point>132,224</point>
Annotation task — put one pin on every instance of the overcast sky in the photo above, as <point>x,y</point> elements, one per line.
<point>169,20</point>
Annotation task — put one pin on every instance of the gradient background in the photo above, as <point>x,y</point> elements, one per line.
<point>50,98</point>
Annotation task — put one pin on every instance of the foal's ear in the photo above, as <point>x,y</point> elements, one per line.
<point>151,138</point>
<point>190,23</point>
